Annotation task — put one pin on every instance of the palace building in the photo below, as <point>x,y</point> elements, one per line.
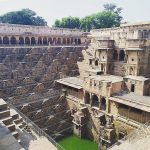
<point>56,82</point>
<point>111,97</point>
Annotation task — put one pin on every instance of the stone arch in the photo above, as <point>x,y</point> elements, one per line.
<point>132,87</point>
<point>68,41</point>
<point>95,101</point>
<point>79,41</point>
<point>102,67</point>
<point>27,40</point>
<point>122,55</point>
<point>64,41</point>
<point>33,40</point>
<point>103,103</point>
<point>45,41</point>
<point>59,41</point>
<point>76,41</point>
<point>50,41</point>
<point>72,41</point>
<point>54,41</point>
<point>87,98</point>
<point>145,34</point>
<point>40,41</point>
<point>96,62</point>
<point>0,40</point>
<point>5,40</point>
<point>115,55</point>
<point>131,71</point>
<point>121,132</point>
<point>21,40</point>
<point>13,40</point>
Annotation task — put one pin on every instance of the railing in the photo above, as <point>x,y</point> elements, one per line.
<point>136,43</point>
<point>35,128</point>
<point>135,134</point>
<point>53,94</point>
<point>138,133</point>
<point>42,45</point>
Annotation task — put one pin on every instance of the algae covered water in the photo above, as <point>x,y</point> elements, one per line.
<point>75,143</point>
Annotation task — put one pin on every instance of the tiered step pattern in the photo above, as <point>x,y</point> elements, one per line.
<point>27,76</point>
<point>8,118</point>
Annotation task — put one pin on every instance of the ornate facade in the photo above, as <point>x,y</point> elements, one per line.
<point>39,35</point>
<point>111,96</point>
<point>109,99</point>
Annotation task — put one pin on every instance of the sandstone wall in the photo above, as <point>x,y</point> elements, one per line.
<point>27,78</point>
<point>119,68</point>
<point>92,122</point>
<point>24,71</point>
<point>12,29</point>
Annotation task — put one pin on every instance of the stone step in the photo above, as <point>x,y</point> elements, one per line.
<point>15,134</point>
<point>19,120</point>
<point>4,114</point>
<point>11,127</point>
<point>20,125</point>
<point>3,107</point>
<point>7,121</point>
<point>15,116</point>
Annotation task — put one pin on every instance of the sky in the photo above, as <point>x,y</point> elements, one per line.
<point>50,10</point>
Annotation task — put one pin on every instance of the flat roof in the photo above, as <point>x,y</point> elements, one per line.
<point>135,49</point>
<point>107,78</point>
<point>94,70</point>
<point>133,100</point>
<point>135,23</point>
<point>74,82</point>
<point>139,78</point>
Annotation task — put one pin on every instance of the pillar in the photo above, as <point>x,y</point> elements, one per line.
<point>91,99</point>
<point>99,101</point>
<point>36,40</point>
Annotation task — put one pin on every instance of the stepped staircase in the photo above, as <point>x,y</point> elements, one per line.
<point>11,119</point>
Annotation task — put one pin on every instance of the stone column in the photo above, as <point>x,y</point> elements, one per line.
<point>9,40</point>
<point>118,55</point>
<point>42,40</point>
<point>91,99</point>
<point>36,40</point>
<point>107,104</point>
<point>84,96</point>
<point>17,40</point>
<point>99,102</point>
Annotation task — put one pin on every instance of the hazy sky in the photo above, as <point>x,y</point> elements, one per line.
<point>133,10</point>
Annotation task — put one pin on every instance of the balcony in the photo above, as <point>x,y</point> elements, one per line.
<point>136,43</point>
<point>105,44</point>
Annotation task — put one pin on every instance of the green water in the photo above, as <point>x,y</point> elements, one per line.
<point>75,143</point>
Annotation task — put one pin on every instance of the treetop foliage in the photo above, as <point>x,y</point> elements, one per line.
<point>24,17</point>
<point>109,17</point>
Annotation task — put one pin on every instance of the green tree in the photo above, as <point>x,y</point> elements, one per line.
<point>87,23</point>
<point>109,17</point>
<point>68,22</point>
<point>57,23</point>
<point>24,17</point>
<point>116,10</point>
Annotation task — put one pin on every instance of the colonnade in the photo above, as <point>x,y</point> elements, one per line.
<point>95,101</point>
<point>29,40</point>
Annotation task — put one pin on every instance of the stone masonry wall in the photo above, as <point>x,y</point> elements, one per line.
<point>27,78</point>
<point>30,70</point>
